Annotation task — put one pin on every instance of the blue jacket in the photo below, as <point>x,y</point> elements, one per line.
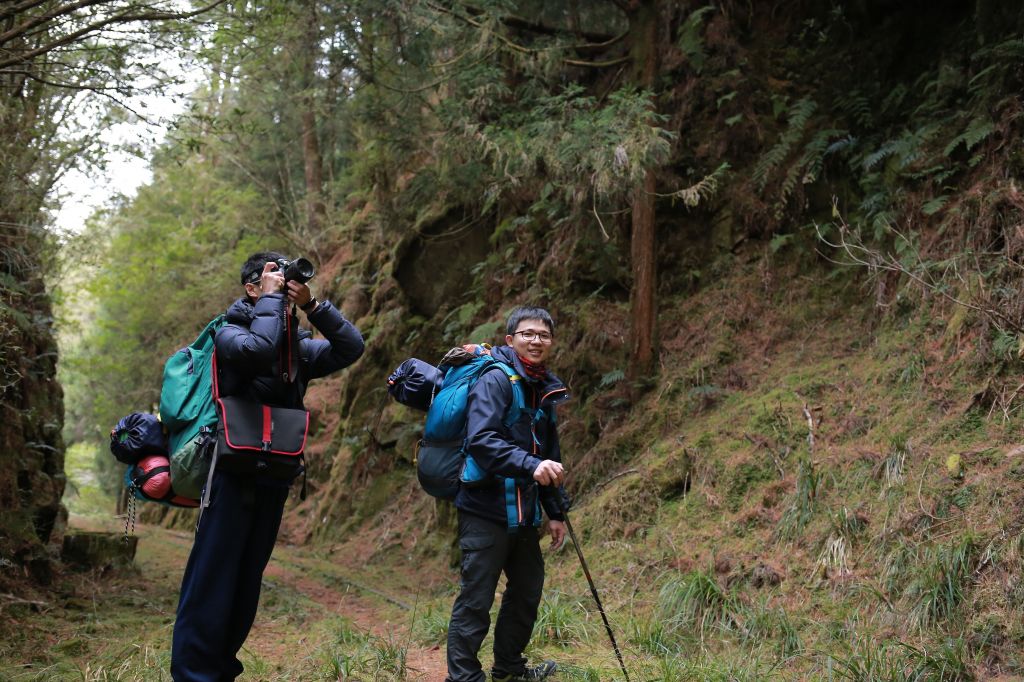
<point>249,345</point>
<point>516,451</point>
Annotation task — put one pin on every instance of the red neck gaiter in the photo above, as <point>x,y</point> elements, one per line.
<point>532,369</point>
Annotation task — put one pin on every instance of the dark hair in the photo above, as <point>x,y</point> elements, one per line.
<point>528,313</point>
<point>254,265</point>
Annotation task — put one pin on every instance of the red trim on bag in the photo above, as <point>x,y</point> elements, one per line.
<point>233,446</point>
<point>268,427</point>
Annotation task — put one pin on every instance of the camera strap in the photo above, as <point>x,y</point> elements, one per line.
<point>288,361</point>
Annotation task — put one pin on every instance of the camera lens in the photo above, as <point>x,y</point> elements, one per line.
<point>300,270</point>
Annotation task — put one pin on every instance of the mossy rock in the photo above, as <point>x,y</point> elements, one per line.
<point>99,550</point>
<point>673,480</point>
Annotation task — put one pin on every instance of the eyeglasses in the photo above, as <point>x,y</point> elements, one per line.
<point>530,335</point>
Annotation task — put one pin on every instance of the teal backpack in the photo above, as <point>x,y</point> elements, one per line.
<point>187,409</point>
<point>442,463</point>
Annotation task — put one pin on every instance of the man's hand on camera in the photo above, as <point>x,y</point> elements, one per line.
<point>272,279</point>
<point>549,472</point>
<point>299,293</point>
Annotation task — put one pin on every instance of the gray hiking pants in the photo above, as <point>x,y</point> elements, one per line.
<point>488,549</point>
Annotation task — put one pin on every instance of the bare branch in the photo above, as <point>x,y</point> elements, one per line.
<point>596,65</point>
<point>62,10</point>
<point>13,10</point>
<point>536,50</point>
<point>872,259</point>
<point>127,16</point>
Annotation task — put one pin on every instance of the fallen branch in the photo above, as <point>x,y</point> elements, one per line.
<point>11,599</point>
<point>627,472</point>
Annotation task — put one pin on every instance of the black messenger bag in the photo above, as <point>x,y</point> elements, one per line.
<point>260,439</point>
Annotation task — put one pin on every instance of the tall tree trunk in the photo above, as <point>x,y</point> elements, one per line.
<point>316,209</point>
<point>643,257</point>
<point>643,19</point>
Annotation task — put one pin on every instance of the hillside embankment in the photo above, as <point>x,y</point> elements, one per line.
<point>811,489</point>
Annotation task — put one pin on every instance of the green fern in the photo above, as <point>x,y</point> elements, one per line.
<point>935,205</point>
<point>857,109</point>
<point>690,40</point>
<point>799,114</point>
<point>894,99</point>
<point>903,150</point>
<point>820,146</point>
<point>977,131</point>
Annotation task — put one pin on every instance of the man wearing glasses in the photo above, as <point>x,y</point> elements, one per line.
<point>499,520</point>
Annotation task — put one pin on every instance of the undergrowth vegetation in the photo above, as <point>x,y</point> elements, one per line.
<point>815,477</point>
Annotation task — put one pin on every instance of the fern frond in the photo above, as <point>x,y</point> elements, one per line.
<point>977,130</point>
<point>857,109</point>
<point>814,154</point>
<point>1012,49</point>
<point>799,114</point>
<point>690,40</point>
<point>704,190</point>
<point>841,145</point>
<point>894,99</point>
<point>935,205</point>
<point>905,149</point>
<point>886,150</point>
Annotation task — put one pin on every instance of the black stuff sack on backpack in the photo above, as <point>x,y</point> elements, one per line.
<point>414,383</point>
<point>137,435</point>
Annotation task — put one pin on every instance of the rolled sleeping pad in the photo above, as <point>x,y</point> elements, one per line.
<point>154,474</point>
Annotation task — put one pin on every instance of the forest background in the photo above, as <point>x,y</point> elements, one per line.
<point>782,241</point>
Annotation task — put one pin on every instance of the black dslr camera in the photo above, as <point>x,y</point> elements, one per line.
<point>299,270</point>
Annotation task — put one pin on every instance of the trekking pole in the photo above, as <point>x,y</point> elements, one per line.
<point>593,591</point>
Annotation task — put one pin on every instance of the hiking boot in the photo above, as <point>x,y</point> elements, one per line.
<point>531,673</point>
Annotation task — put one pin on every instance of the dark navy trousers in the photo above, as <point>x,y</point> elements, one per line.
<point>220,590</point>
<point>488,550</point>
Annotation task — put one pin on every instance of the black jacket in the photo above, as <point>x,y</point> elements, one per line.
<point>512,452</point>
<point>249,345</point>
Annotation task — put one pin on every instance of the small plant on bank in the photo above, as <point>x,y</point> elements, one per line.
<point>764,625</point>
<point>894,465</point>
<point>431,628</point>
<point>696,602</point>
<point>869,660</point>
<point>652,636</point>
<point>560,621</point>
<point>944,576</point>
<point>389,656</point>
<point>834,559</point>
<point>798,514</point>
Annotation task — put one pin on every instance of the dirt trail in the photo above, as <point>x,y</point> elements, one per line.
<point>367,607</point>
<point>310,601</point>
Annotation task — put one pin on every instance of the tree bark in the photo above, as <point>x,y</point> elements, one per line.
<point>643,256</point>
<point>643,19</point>
<point>316,209</point>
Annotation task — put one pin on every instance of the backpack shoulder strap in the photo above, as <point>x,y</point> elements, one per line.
<point>518,405</point>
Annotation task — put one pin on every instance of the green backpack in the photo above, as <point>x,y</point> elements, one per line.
<point>187,405</point>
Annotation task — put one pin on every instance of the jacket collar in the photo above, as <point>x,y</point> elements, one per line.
<point>551,389</point>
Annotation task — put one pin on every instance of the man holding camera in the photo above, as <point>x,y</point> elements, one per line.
<point>264,357</point>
